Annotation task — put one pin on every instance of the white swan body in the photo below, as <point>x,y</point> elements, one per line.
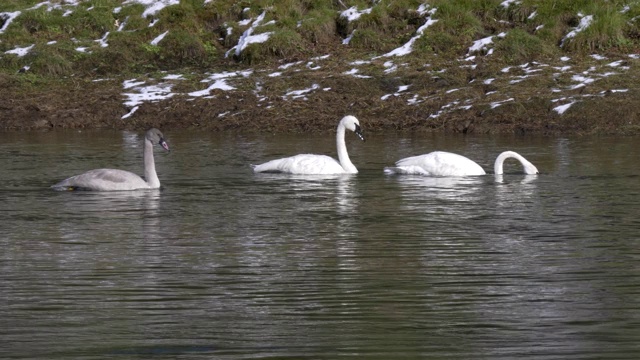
<point>311,164</point>
<point>114,179</point>
<point>441,163</point>
<point>437,163</point>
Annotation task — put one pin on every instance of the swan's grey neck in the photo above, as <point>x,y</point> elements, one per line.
<point>343,155</point>
<point>149,165</point>
<point>498,166</point>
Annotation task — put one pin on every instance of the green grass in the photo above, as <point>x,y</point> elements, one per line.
<point>200,35</point>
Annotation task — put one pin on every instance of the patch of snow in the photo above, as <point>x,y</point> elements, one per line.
<point>353,13</point>
<point>127,115</point>
<point>562,108</point>
<point>408,47</point>
<point>159,38</point>
<point>288,65</point>
<point>103,41</point>
<point>598,57</point>
<point>482,44</point>
<point>140,93</point>
<point>582,79</point>
<point>20,52</point>
<point>220,84</point>
<point>585,22</point>
<point>312,66</point>
<point>354,72</point>
<point>295,94</point>
<point>495,104</point>
<point>390,67</point>
<point>7,18</point>
<point>152,6</point>
<point>508,3</point>
<point>247,38</point>
<point>488,81</point>
<point>173,77</point>
<point>347,40</point>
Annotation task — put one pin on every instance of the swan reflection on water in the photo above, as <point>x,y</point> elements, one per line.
<point>458,189</point>
<point>316,189</point>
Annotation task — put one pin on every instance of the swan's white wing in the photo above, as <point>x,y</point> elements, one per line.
<point>406,170</point>
<point>441,163</point>
<point>308,164</point>
<point>103,180</point>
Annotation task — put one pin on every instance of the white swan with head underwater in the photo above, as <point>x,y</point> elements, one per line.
<point>117,180</point>
<point>442,163</point>
<point>311,164</point>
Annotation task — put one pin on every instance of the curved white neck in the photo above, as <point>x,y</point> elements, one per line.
<point>343,155</point>
<point>498,165</point>
<point>149,165</point>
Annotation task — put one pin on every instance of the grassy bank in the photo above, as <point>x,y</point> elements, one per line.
<point>454,56</point>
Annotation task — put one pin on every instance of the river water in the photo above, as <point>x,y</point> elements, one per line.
<point>226,264</point>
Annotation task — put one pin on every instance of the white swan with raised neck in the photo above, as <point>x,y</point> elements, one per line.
<point>312,164</point>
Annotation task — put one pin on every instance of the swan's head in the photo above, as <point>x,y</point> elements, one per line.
<point>155,136</point>
<point>530,169</point>
<point>350,122</point>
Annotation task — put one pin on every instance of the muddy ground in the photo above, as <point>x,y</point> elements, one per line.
<point>86,104</point>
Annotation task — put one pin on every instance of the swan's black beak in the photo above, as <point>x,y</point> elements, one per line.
<point>164,144</point>
<point>359,132</point>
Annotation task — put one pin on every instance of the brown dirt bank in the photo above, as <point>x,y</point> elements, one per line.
<point>85,104</point>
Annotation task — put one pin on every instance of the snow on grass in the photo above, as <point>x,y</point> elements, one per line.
<point>57,5</point>
<point>296,94</point>
<point>355,73</point>
<point>159,38</point>
<point>495,104</point>
<point>20,52</point>
<point>508,3</point>
<point>353,13</point>
<point>220,82</point>
<point>103,41</point>
<point>483,44</point>
<point>562,108</point>
<point>248,38</point>
<point>585,22</point>
<point>7,18</point>
<point>407,48</point>
<point>347,40</point>
<point>152,7</point>
<point>140,92</point>
<point>173,77</point>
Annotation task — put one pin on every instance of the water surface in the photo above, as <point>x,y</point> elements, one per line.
<point>223,263</point>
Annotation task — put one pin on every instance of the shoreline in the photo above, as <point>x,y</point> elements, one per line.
<point>95,105</point>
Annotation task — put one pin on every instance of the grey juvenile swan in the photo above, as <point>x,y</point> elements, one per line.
<point>117,180</point>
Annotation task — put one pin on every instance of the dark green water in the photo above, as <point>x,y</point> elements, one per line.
<point>226,264</point>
